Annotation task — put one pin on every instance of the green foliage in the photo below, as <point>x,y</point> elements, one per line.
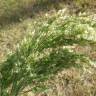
<point>45,52</point>
<point>13,10</point>
<point>86,3</point>
<point>17,10</point>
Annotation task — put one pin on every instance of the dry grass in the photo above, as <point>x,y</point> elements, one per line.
<point>10,36</point>
<point>70,82</point>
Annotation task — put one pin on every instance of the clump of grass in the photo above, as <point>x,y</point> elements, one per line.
<point>45,52</point>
